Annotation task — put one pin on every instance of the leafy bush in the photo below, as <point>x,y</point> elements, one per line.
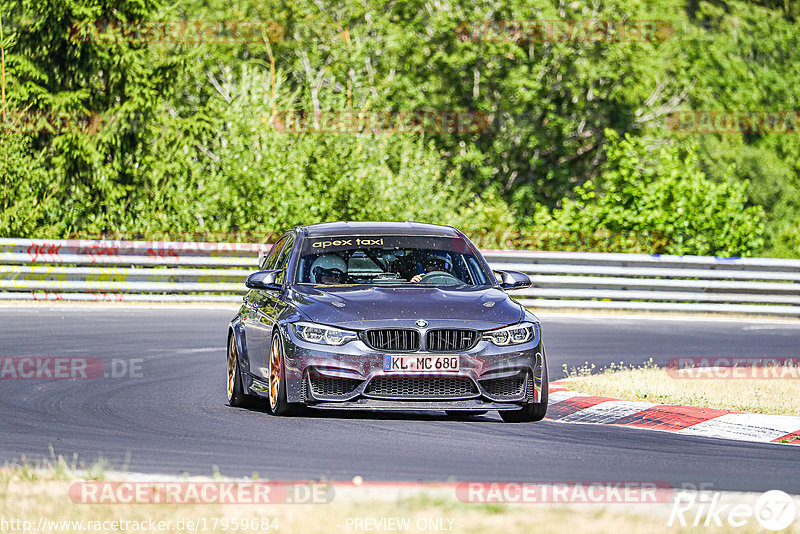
<point>662,193</point>
<point>262,178</point>
<point>30,191</point>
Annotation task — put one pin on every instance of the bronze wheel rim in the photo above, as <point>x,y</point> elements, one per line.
<point>231,367</point>
<point>274,372</point>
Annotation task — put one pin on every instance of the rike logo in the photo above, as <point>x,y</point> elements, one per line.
<point>774,510</point>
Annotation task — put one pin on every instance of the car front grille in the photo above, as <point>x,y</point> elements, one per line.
<point>446,340</point>
<point>392,339</point>
<point>323,386</point>
<point>437,388</point>
<point>509,387</point>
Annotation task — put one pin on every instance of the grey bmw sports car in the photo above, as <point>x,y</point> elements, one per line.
<point>385,316</point>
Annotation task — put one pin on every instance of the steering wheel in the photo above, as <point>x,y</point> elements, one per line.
<point>440,277</point>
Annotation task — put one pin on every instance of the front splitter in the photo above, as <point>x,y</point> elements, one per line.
<point>387,405</point>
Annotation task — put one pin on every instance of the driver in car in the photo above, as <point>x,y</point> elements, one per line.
<point>329,269</point>
<point>431,264</point>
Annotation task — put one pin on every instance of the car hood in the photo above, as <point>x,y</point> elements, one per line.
<point>372,306</point>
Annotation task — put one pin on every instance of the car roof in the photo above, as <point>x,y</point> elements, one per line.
<point>378,227</point>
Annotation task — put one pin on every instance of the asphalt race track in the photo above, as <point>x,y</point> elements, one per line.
<point>172,417</point>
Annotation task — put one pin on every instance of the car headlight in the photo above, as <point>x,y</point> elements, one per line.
<point>324,335</point>
<point>511,335</point>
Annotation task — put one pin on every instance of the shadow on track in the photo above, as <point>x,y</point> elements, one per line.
<point>311,413</point>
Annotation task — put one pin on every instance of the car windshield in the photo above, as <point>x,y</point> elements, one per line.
<point>388,260</point>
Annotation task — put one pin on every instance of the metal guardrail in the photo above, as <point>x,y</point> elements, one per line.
<point>149,271</point>
<point>655,282</point>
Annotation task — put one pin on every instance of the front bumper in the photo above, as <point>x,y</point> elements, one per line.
<point>353,377</point>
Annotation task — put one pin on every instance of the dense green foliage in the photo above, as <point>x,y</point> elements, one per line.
<point>666,196</point>
<point>181,138</point>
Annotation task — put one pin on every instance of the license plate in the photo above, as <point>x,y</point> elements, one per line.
<point>421,364</point>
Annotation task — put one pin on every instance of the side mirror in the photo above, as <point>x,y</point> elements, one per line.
<point>513,279</point>
<point>263,280</point>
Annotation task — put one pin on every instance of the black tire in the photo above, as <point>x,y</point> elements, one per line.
<point>278,405</point>
<point>235,390</point>
<point>534,411</point>
<point>464,414</point>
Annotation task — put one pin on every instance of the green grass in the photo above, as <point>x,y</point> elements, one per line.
<point>650,383</point>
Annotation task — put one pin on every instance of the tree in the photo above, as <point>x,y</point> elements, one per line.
<point>663,193</point>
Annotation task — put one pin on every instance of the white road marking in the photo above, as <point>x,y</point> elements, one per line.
<point>558,396</point>
<point>608,411</point>
<point>746,426</point>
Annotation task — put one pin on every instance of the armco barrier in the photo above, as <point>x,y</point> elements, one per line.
<point>655,282</point>
<point>87,270</point>
<point>150,271</point>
